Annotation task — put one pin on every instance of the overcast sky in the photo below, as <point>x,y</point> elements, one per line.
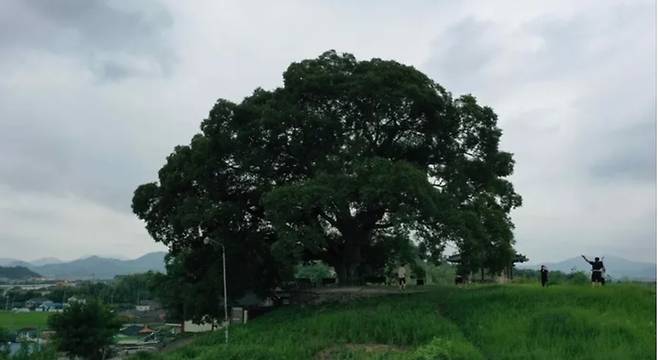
<point>95,94</point>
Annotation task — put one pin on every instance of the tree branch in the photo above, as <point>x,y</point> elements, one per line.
<point>327,218</point>
<point>382,226</point>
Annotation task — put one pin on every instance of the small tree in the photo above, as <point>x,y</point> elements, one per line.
<point>5,338</point>
<point>314,271</point>
<point>31,351</point>
<point>85,330</point>
<point>189,291</point>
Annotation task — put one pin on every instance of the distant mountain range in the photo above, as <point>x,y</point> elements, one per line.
<point>93,267</point>
<point>616,267</point>
<point>17,273</point>
<point>37,262</point>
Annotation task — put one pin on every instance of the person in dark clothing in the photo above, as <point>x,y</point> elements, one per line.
<point>544,276</point>
<point>597,271</point>
<point>458,279</point>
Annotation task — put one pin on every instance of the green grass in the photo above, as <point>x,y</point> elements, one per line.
<point>14,321</point>
<point>486,322</point>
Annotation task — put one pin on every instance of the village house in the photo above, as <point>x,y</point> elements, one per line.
<point>49,306</point>
<point>147,305</point>
<point>131,329</point>
<point>35,302</point>
<point>74,299</point>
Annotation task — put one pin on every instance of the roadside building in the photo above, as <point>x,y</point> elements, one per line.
<point>190,327</point>
<point>148,305</point>
<point>44,306</point>
<point>51,307</point>
<point>146,330</point>
<point>142,307</point>
<point>131,329</point>
<point>74,299</point>
<point>33,303</point>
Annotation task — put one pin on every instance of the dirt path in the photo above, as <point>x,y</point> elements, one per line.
<point>349,349</point>
<point>349,293</point>
<point>177,344</point>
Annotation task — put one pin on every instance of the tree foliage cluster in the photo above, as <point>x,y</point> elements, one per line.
<point>190,294</point>
<point>128,289</point>
<point>28,351</point>
<point>349,162</point>
<point>85,330</point>
<point>123,289</point>
<point>554,277</point>
<point>5,338</point>
<point>314,272</point>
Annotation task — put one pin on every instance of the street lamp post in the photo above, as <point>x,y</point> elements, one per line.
<point>207,241</point>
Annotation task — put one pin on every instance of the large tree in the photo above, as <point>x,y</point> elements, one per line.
<point>350,162</point>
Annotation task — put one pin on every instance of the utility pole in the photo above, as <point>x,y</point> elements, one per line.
<point>207,241</point>
<point>226,319</point>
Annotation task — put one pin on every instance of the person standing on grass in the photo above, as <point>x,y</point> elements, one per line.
<point>402,277</point>
<point>544,276</point>
<point>597,270</point>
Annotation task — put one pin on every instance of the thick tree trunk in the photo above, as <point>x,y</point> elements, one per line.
<point>348,263</point>
<point>356,234</point>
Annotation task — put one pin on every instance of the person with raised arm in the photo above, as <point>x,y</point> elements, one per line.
<point>597,270</point>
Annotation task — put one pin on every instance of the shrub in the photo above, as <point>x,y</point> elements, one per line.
<point>443,349</point>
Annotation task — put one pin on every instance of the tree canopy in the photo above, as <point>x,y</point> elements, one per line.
<point>350,162</point>
<point>85,330</point>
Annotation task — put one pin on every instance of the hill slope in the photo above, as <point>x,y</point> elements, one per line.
<point>45,261</point>
<point>488,322</point>
<point>17,273</point>
<point>7,261</point>
<point>37,262</point>
<point>101,268</point>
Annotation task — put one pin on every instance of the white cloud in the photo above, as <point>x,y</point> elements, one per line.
<point>90,106</point>
<point>66,226</point>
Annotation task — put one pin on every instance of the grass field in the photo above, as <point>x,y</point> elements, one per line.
<point>485,322</point>
<point>14,321</point>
